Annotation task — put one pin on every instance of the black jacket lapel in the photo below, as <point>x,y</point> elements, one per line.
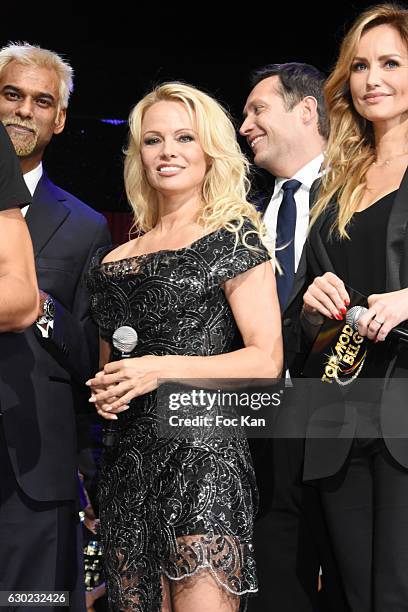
<point>45,214</point>
<point>300,276</point>
<point>320,253</point>
<point>300,279</point>
<point>396,236</point>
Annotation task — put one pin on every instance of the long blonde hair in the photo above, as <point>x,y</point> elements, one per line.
<point>226,183</point>
<point>350,149</point>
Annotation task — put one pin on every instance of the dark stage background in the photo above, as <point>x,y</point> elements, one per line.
<point>115,64</point>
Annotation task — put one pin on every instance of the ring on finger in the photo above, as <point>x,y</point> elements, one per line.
<point>378,322</point>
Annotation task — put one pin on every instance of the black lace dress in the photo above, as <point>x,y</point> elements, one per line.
<point>170,506</point>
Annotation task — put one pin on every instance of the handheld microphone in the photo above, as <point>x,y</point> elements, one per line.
<point>354,314</point>
<point>124,339</point>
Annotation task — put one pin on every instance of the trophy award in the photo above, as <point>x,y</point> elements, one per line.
<point>338,354</point>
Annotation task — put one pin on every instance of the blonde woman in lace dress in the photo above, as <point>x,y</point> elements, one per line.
<point>198,287</point>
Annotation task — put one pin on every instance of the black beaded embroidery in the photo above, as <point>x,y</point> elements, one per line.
<point>174,507</point>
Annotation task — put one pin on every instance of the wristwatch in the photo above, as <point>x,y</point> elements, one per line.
<point>48,311</point>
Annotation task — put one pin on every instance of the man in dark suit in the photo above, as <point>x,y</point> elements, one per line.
<point>286,127</point>
<point>42,371</point>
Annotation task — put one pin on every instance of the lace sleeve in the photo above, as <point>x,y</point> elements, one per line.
<point>235,253</point>
<point>93,278</point>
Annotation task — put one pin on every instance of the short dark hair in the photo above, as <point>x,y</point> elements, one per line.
<point>297,81</point>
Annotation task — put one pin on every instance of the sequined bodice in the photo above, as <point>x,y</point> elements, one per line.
<point>174,299</point>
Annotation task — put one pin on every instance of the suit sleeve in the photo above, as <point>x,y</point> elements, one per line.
<point>74,335</point>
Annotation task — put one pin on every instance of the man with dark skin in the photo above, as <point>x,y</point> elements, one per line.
<point>42,370</point>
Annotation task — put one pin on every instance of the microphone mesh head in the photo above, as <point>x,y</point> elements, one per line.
<point>354,314</point>
<point>124,339</point>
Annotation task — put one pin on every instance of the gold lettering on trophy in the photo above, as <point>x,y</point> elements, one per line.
<point>345,354</point>
<point>357,339</point>
<point>349,359</point>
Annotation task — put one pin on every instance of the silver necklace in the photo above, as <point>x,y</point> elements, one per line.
<point>386,162</point>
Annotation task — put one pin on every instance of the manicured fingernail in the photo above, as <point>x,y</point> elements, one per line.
<point>92,399</point>
<point>122,408</point>
<point>88,383</point>
<point>347,302</point>
<point>343,310</point>
<point>338,317</point>
<point>113,417</point>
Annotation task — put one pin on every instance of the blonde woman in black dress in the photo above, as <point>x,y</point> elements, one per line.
<point>198,286</point>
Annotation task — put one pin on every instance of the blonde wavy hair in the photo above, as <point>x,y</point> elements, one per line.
<point>351,147</point>
<point>32,55</point>
<point>226,183</point>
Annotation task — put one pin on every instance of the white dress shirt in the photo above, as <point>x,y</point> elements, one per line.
<point>306,176</point>
<point>31,180</point>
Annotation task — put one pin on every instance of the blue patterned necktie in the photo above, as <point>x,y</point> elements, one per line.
<point>285,241</point>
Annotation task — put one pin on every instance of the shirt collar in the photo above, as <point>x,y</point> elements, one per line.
<point>306,175</point>
<point>32,178</point>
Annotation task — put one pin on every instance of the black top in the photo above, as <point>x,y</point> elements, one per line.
<point>361,263</point>
<point>13,190</point>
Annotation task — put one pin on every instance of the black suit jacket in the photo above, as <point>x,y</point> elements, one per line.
<point>291,541</point>
<point>41,380</point>
<point>325,457</point>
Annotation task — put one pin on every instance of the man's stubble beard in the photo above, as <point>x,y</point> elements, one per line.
<point>24,143</point>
